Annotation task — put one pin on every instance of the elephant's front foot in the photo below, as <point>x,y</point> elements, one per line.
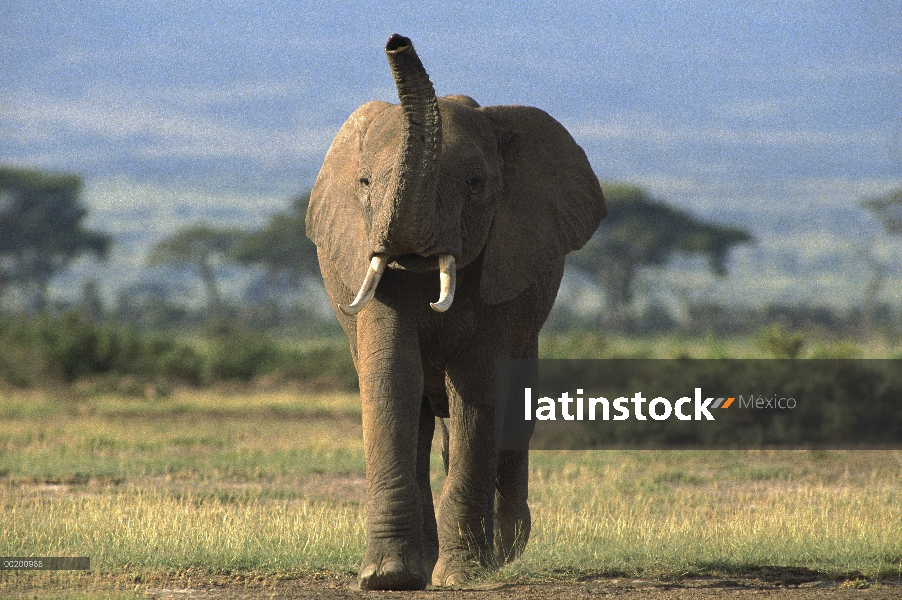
<point>388,571</point>
<point>453,570</point>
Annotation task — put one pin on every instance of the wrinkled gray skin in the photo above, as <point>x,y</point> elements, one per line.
<point>507,192</point>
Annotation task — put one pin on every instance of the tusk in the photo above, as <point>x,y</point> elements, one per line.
<point>368,289</point>
<point>448,281</point>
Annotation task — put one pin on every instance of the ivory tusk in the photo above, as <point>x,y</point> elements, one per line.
<point>448,281</point>
<point>368,289</point>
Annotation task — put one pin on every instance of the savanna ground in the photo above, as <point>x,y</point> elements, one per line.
<point>249,492</point>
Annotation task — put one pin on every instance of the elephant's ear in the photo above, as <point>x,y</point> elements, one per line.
<point>551,201</point>
<point>334,219</point>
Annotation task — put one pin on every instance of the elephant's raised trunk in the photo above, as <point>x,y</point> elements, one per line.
<point>409,225</point>
<point>413,228</point>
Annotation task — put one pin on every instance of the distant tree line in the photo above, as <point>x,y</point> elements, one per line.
<point>42,231</point>
<point>638,232</point>
<point>888,210</point>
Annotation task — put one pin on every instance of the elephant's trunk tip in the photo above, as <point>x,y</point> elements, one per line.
<point>397,43</point>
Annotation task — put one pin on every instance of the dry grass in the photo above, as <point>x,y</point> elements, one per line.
<point>272,483</point>
<point>667,513</point>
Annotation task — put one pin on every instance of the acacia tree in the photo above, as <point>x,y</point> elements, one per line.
<point>41,230</point>
<point>202,249</point>
<point>888,210</point>
<point>281,248</point>
<point>642,232</point>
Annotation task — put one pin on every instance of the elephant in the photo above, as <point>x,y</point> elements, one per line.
<point>485,202</point>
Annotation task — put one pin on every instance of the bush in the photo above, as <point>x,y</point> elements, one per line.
<point>780,343</point>
<point>325,365</point>
<point>243,358</point>
<point>69,348</point>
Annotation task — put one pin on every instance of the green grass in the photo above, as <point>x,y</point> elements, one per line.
<point>202,436</point>
<point>70,349</point>
<point>770,342</point>
<point>271,484</point>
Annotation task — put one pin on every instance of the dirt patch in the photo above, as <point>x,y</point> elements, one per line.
<point>765,585</point>
<point>596,588</point>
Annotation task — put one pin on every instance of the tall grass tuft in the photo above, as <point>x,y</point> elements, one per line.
<point>153,531</point>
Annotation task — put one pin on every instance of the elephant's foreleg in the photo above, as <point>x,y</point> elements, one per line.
<point>391,392</point>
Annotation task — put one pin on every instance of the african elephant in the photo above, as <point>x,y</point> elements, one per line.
<point>485,202</point>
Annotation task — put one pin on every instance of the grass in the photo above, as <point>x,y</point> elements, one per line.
<point>69,349</point>
<point>254,484</point>
<point>158,530</point>
<point>192,435</point>
<point>671,513</point>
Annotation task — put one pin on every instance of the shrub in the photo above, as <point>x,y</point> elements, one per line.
<point>69,347</point>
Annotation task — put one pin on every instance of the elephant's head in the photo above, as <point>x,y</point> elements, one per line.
<point>432,183</point>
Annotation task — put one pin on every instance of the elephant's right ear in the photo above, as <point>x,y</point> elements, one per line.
<point>334,219</point>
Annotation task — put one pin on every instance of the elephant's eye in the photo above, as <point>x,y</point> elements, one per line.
<point>363,192</point>
<point>476,184</point>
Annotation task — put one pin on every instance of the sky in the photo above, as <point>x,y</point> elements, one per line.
<point>711,105</point>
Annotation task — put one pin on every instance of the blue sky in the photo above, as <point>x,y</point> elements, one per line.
<point>712,105</point>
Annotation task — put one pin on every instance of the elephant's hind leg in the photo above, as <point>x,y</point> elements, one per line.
<point>466,507</point>
<point>512,518</point>
<point>424,448</point>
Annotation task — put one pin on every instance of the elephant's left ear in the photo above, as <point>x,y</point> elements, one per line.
<point>551,202</point>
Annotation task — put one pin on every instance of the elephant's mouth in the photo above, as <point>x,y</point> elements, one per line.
<point>414,262</point>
